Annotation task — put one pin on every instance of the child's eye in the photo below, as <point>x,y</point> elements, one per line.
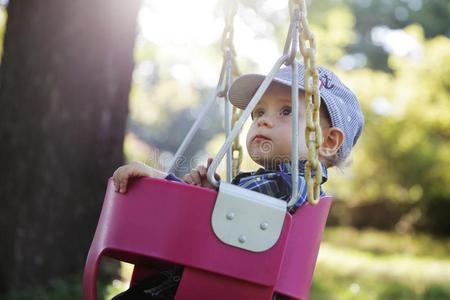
<point>286,111</point>
<point>258,113</point>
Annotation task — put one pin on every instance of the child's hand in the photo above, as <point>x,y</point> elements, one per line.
<point>123,173</point>
<point>199,176</point>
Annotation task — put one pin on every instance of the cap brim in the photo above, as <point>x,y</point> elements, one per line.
<point>244,88</point>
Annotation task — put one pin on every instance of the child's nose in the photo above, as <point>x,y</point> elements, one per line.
<point>265,121</point>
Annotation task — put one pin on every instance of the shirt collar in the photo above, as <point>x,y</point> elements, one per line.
<point>286,167</point>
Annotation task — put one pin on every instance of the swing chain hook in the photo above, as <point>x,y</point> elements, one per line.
<point>290,45</point>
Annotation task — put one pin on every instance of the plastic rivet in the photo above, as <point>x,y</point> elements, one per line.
<point>230,215</point>
<point>242,239</point>
<point>264,225</point>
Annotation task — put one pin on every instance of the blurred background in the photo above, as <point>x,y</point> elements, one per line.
<point>86,86</point>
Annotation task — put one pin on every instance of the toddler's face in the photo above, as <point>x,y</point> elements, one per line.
<point>269,137</point>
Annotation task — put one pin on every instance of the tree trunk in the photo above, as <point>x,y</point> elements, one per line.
<point>64,84</point>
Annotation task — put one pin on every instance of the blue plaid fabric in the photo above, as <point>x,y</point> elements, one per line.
<point>278,183</point>
<point>275,183</point>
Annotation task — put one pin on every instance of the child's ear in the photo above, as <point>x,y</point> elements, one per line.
<point>333,138</point>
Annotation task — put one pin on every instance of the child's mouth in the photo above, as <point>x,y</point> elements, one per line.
<point>260,137</point>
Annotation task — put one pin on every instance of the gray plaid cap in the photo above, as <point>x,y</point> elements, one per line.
<point>342,105</point>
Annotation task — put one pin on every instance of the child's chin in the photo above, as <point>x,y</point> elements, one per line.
<point>259,155</point>
<point>257,159</point>
<point>263,160</point>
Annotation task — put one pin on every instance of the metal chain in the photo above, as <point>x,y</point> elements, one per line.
<point>228,70</point>
<point>229,52</point>
<point>230,8</point>
<point>237,148</point>
<point>313,134</point>
<point>227,45</point>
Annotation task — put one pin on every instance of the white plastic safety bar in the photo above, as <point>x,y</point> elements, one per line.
<point>294,26</point>
<point>228,114</point>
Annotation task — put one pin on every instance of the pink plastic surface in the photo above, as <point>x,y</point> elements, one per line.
<point>302,248</point>
<point>163,221</point>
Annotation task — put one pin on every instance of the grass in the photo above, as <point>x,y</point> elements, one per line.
<point>352,264</point>
<point>381,242</point>
<point>372,265</point>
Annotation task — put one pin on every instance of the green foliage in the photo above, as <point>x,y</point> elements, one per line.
<point>404,155</point>
<point>437,292</point>
<point>396,14</point>
<point>3,18</point>
<point>334,33</point>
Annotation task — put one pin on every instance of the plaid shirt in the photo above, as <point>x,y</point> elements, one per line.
<point>276,183</point>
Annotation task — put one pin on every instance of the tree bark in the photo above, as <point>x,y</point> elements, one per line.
<point>64,84</point>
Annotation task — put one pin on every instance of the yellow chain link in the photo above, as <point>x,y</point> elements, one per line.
<point>237,148</point>
<point>313,134</point>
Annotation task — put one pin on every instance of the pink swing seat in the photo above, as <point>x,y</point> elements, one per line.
<point>159,221</point>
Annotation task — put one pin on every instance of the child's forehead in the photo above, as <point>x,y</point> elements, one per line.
<point>272,101</point>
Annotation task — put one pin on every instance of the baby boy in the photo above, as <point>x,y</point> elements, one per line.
<point>269,137</point>
<point>269,145</point>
